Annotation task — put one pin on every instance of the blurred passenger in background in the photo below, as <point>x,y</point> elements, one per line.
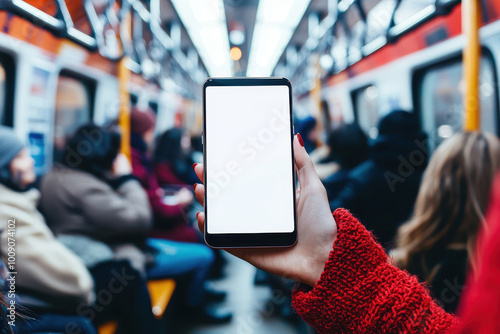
<point>348,283</point>
<point>171,222</point>
<point>94,194</point>
<point>307,129</point>
<point>99,209</point>
<point>438,242</point>
<point>348,147</point>
<point>170,213</point>
<point>381,191</point>
<point>173,158</point>
<point>55,279</point>
<point>197,146</point>
<point>173,165</point>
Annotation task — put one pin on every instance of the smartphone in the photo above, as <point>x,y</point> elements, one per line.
<point>249,164</point>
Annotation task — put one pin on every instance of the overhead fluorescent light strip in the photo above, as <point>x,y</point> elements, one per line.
<point>276,21</point>
<point>205,22</point>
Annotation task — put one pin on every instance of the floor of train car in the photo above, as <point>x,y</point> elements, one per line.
<point>252,305</point>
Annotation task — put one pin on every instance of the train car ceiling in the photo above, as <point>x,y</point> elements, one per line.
<point>116,28</point>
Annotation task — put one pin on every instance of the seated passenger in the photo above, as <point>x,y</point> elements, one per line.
<point>438,242</point>
<point>173,163</point>
<point>94,194</point>
<point>170,219</point>
<point>349,285</point>
<point>348,147</point>
<point>173,159</point>
<point>46,270</point>
<point>381,191</point>
<point>100,210</point>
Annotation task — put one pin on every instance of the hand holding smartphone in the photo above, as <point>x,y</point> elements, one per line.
<point>316,228</point>
<point>249,164</point>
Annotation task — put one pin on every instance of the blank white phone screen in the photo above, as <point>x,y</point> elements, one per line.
<point>249,160</point>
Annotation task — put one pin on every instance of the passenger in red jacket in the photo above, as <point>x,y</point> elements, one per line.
<point>170,218</point>
<point>173,158</point>
<point>350,285</point>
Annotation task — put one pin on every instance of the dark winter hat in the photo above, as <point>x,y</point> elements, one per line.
<point>142,120</point>
<point>306,125</point>
<point>398,122</point>
<point>348,145</point>
<point>10,145</point>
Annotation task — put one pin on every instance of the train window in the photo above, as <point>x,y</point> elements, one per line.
<point>365,102</point>
<point>7,67</point>
<point>411,9</point>
<point>339,49</point>
<point>74,104</point>
<point>378,17</point>
<point>357,30</point>
<point>440,99</point>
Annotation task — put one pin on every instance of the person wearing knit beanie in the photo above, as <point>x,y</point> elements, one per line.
<point>16,165</point>
<point>142,121</point>
<point>142,127</point>
<point>10,145</point>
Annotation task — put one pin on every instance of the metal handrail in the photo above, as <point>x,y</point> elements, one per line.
<point>61,25</point>
<point>393,33</point>
<point>98,28</point>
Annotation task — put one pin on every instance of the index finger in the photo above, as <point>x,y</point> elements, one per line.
<point>198,169</point>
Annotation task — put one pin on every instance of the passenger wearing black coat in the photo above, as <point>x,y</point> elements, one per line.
<point>381,191</point>
<point>348,146</point>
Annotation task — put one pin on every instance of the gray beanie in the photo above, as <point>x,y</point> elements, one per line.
<point>10,145</point>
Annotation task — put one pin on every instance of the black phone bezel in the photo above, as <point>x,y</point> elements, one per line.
<point>245,240</point>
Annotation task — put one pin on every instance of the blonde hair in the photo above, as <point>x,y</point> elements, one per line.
<point>451,202</point>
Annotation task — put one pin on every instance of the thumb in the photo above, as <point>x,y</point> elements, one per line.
<point>305,168</point>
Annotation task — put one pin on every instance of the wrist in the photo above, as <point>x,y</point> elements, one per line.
<point>318,260</point>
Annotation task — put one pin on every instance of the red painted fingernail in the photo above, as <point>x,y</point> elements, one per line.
<point>194,186</point>
<point>197,214</point>
<point>301,142</point>
<point>194,165</point>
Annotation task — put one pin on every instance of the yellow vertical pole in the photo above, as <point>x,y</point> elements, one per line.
<point>124,115</point>
<point>123,80</point>
<point>316,98</point>
<point>471,21</point>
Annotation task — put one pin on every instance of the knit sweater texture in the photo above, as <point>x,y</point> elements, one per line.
<point>359,291</point>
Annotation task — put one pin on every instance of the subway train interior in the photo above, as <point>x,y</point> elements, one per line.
<point>105,111</point>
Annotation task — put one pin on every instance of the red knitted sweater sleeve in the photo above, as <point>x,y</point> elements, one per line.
<point>360,292</point>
